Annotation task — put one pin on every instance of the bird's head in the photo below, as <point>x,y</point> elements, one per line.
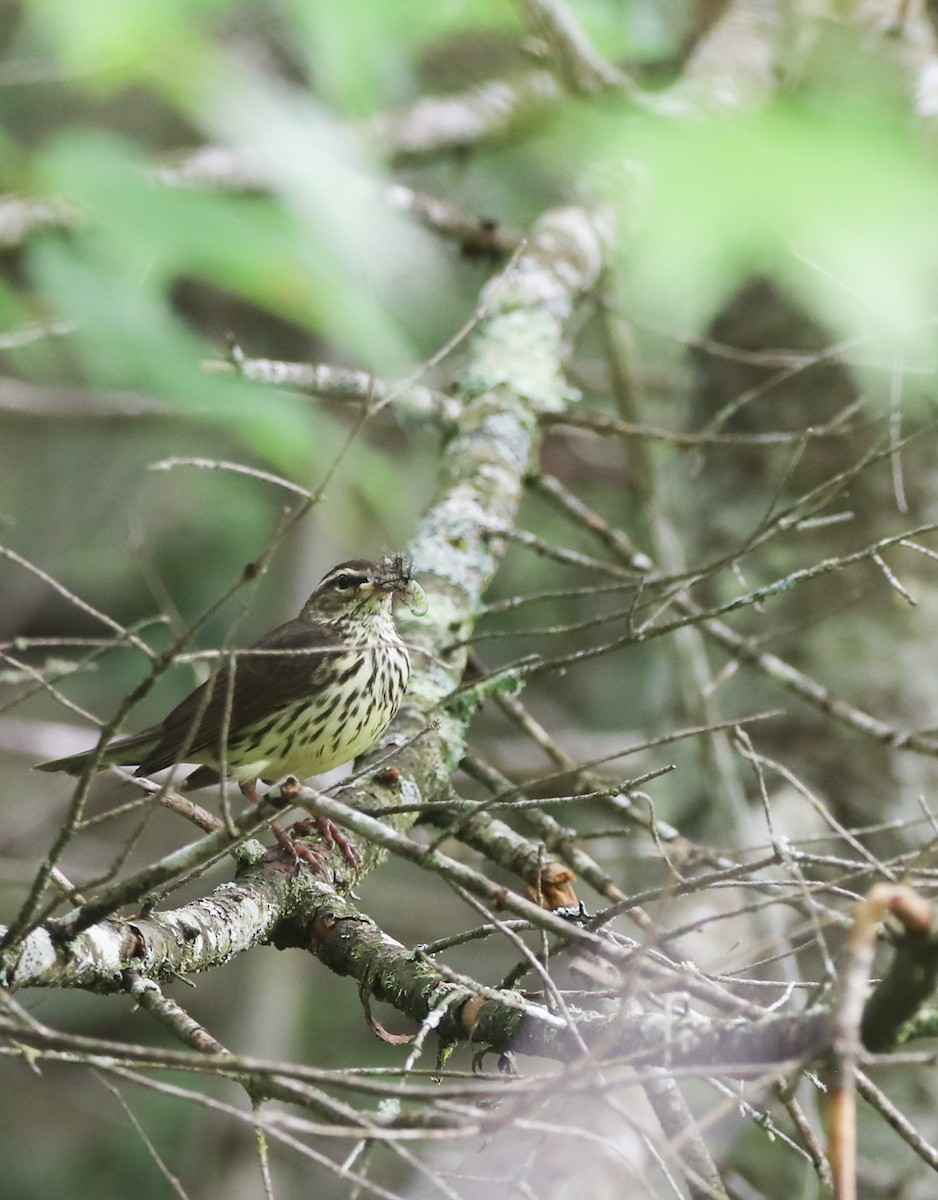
<point>359,589</point>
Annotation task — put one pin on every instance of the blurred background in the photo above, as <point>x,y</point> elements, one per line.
<point>183,178</point>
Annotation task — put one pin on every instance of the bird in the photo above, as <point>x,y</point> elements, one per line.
<point>311,695</point>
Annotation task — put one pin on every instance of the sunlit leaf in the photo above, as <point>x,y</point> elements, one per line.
<point>841,209</point>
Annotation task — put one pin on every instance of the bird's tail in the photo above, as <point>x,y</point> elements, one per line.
<point>123,752</point>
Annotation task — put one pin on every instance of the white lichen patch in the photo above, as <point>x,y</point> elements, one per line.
<point>94,957</point>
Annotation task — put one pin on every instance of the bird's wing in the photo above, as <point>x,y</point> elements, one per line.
<point>263,685</point>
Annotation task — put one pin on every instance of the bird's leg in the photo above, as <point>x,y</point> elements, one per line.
<point>249,791</point>
<point>295,849</point>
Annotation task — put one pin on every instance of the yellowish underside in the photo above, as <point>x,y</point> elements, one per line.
<point>340,742</point>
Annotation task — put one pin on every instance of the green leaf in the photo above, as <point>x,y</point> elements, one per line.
<point>112,42</point>
<point>839,206</point>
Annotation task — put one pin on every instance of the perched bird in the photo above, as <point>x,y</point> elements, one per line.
<point>309,696</point>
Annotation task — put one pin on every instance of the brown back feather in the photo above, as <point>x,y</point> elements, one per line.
<point>263,685</point>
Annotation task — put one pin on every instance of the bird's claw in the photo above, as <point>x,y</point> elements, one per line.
<point>299,850</point>
<point>331,834</point>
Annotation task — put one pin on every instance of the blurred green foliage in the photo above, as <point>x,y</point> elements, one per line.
<point>838,204</point>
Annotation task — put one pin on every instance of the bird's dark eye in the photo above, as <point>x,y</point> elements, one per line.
<point>344,581</point>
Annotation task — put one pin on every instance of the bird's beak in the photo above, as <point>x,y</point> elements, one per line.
<point>366,588</point>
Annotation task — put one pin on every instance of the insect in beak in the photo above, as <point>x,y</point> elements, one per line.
<point>415,598</point>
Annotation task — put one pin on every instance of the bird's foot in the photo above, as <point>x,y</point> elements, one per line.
<point>298,850</point>
<point>332,835</point>
<point>286,841</point>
